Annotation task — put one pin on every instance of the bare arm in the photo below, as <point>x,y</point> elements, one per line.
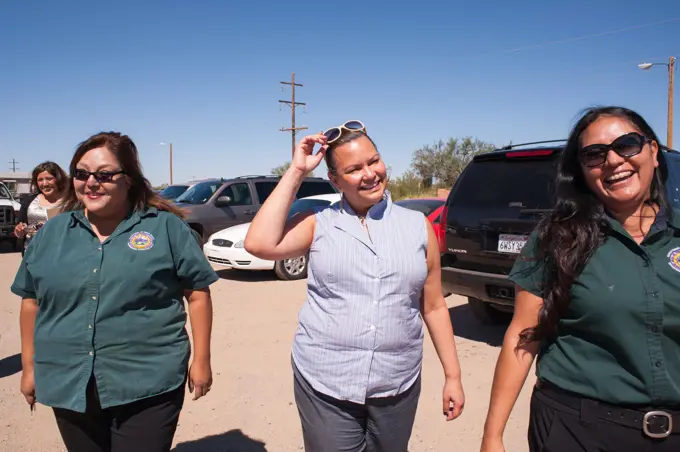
<point>438,321</point>
<point>269,237</point>
<point>200,316</point>
<point>512,367</point>
<point>27,314</point>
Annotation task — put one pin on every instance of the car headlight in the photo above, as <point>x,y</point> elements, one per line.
<point>238,244</point>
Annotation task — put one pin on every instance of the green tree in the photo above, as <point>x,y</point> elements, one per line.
<point>281,170</point>
<point>444,161</point>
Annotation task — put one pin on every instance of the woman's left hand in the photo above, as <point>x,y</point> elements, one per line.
<point>453,397</point>
<point>200,378</point>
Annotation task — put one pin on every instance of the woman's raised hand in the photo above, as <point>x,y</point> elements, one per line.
<point>304,158</point>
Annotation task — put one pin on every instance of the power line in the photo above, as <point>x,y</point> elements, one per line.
<point>14,165</point>
<point>594,35</point>
<point>292,105</point>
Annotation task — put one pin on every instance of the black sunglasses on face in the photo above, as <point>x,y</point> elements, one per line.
<point>99,176</point>
<point>626,146</point>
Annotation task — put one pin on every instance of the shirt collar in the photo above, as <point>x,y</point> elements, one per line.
<point>377,211</point>
<point>136,215</point>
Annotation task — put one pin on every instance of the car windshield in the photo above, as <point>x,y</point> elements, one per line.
<point>303,205</point>
<point>426,206</point>
<point>173,191</point>
<point>199,193</point>
<point>526,184</point>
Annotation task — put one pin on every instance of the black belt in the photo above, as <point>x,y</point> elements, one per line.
<point>655,423</point>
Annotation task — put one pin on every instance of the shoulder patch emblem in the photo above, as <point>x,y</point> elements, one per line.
<point>141,241</point>
<point>674,259</point>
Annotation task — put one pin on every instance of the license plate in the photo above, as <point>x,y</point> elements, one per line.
<point>513,244</point>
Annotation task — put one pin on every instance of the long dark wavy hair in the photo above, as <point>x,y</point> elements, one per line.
<point>577,226</point>
<point>141,195</point>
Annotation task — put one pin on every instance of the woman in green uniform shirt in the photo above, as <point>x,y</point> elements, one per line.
<point>102,317</point>
<point>598,299</point>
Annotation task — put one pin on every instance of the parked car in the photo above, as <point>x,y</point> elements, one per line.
<point>490,212</point>
<point>432,209</point>
<point>225,247</point>
<point>9,210</point>
<point>216,204</point>
<point>174,191</point>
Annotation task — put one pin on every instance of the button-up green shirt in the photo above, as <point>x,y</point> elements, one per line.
<point>619,342</point>
<point>114,309</point>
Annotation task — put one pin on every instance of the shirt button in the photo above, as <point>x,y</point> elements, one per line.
<point>372,327</point>
<point>99,249</point>
<point>646,264</point>
<point>89,327</point>
<point>655,294</point>
<point>94,298</point>
<point>375,301</point>
<point>94,270</point>
<point>91,353</point>
<point>658,364</point>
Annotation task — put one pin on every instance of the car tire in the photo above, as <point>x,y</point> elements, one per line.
<point>486,313</point>
<point>292,269</point>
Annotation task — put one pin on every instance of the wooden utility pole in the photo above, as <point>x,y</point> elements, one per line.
<point>14,165</point>
<point>292,105</point>
<point>671,82</point>
<point>170,163</point>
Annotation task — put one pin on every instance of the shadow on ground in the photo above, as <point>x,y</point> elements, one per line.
<point>466,325</point>
<point>10,365</point>
<point>247,276</point>
<point>231,441</point>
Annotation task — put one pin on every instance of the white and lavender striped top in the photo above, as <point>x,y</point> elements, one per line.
<point>360,332</point>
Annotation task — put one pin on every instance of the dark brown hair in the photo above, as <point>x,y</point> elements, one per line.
<point>61,179</point>
<point>344,139</point>
<point>577,226</point>
<point>141,196</point>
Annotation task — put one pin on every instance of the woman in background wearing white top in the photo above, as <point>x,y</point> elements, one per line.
<point>374,276</point>
<point>48,183</point>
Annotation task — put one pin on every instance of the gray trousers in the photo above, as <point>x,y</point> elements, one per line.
<point>331,425</point>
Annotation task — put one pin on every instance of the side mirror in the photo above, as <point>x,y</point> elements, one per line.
<point>224,200</point>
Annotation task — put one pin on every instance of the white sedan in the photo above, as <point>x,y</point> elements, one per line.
<point>225,248</point>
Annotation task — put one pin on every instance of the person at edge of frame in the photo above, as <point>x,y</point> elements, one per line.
<point>597,300</point>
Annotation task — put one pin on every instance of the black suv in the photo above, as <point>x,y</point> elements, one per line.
<point>491,209</point>
<point>216,204</point>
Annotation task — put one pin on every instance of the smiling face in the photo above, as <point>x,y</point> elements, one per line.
<point>360,174</point>
<point>620,183</point>
<point>47,183</point>
<point>106,198</point>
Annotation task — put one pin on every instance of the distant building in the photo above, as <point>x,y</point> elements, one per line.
<point>19,183</point>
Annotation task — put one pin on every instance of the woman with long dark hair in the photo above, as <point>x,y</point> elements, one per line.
<point>103,338</point>
<point>598,301</point>
<point>48,185</point>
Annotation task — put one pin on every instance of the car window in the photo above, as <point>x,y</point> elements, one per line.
<point>527,184</point>
<point>173,191</point>
<point>303,205</point>
<point>4,194</point>
<point>315,188</point>
<point>239,194</point>
<point>199,193</point>
<point>264,189</point>
<point>426,206</point>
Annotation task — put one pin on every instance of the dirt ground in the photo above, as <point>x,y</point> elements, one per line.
<point>251,406</point>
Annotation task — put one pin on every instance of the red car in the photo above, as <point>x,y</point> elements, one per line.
<point>432,209</point>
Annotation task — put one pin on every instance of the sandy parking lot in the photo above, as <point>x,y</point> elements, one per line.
<point>251,407</point>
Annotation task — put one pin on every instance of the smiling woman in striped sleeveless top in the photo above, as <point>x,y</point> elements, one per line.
<point>373,278</point>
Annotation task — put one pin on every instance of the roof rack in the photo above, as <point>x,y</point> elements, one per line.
<point>512,146</point>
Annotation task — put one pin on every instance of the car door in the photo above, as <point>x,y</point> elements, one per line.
<point>236,206</point>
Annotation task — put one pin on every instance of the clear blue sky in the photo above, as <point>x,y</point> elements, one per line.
<point>205,74</point>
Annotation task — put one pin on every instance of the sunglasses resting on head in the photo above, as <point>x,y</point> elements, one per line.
<point>334,133</point>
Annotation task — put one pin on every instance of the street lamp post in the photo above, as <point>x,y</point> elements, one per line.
<point>169,143</point>
<point>671,82</point>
